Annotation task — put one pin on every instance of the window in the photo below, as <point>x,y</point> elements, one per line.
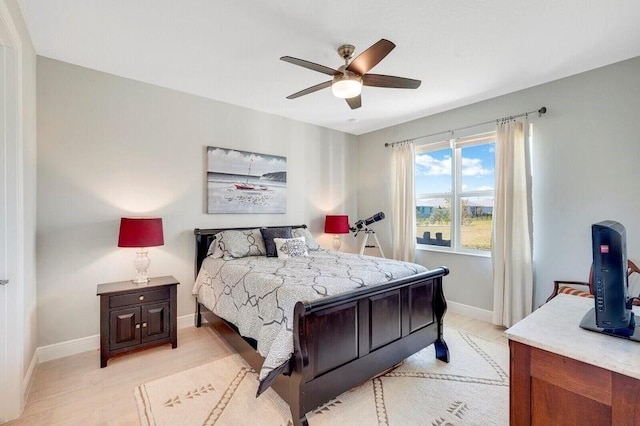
<point>454,193</point>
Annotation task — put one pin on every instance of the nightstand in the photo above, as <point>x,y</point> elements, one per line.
<point>136,316</point>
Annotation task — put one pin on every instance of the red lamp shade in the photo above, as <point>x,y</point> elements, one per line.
<point>141,232</point>
<point>336,224</point>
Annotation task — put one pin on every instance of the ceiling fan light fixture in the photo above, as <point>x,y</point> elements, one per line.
<point>347,85</point>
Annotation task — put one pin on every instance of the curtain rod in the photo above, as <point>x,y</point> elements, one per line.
<point>540,111</point>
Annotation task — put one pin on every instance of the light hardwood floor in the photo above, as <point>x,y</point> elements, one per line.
<point>76,391</point>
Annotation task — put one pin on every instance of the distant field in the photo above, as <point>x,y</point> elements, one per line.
<point>476,235</point>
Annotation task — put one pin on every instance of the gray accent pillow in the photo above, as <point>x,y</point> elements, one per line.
<point>268,234</point>
<point>312,244</point>
<point>234,243</point>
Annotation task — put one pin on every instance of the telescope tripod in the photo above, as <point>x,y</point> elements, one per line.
<point>365,240</point>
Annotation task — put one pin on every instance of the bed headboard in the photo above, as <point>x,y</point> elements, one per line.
<point>204,237</point>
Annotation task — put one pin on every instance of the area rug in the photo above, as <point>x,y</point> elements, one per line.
<point>472,389</point>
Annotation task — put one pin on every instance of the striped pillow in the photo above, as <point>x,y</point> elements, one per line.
<point>574,291</point>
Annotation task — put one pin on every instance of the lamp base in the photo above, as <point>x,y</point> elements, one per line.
<point>336,242</point>
<point>140,281</point>
<point>142,264</point>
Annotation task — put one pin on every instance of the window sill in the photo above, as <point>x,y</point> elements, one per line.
<point>455,252</point>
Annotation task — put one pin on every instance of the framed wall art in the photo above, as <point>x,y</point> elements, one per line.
<point>245,182</point>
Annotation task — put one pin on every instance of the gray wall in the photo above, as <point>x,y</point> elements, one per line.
<point>586,153</point>
<point>110,147</point>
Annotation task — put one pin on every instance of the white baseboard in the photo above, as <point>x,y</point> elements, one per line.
<point>85,344</point>
<point>27,382</point>
<point>67,348</point>
<point>470,311</point>
<point>187,321</point>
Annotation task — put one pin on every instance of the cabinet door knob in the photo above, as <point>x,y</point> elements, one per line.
<point>141,298</point>
<point>144,324</point>
<point>137,325</point>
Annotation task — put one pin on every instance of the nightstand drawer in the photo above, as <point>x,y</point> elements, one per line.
<point>138,297</point>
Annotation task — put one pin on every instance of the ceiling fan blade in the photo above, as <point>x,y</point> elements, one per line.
<point>310,90</point>
<point>310,65</point>
<point>379,80</point>
<point>355,102</point>
<point>370,57</point>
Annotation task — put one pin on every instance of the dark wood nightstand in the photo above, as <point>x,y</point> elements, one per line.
<point>135,316</point>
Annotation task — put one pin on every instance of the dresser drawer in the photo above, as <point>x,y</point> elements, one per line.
<point>138,297</point>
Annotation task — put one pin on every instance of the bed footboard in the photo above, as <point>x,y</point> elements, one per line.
<point>342,341</point>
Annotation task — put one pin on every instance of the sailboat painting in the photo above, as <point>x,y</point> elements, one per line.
<point>245,182</point>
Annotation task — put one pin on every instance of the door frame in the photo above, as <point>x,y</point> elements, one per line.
<point>12,313</point>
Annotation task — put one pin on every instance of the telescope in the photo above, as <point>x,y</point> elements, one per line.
<point>363,223</point>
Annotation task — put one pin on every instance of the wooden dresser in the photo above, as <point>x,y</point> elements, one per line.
<point>135,316</point>
<point>562,374</point>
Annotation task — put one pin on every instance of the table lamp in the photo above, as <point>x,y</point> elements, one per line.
<point>141,232</point>
<point>336,224</point>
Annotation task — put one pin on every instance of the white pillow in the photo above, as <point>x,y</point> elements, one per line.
<point>234,243</point>
<point>290,247</point>
<point>312,244</point>
<point>214,247</point>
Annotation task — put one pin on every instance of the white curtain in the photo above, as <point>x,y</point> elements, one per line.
<point>403,214</point>
<point>511,245</point>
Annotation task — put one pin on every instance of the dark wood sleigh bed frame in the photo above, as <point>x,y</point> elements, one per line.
<point>344,340</point>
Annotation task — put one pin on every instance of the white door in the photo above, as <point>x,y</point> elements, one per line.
<point>3,240</point>
<point>11,321</point>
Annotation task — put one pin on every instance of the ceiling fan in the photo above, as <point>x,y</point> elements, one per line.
<point>349,78</point>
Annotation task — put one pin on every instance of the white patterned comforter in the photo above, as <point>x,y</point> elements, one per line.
<point>258,293</point>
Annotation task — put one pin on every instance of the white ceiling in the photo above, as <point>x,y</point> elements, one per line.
<point>464,51</point>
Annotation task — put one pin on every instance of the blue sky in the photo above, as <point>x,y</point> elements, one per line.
<point>433,169</point>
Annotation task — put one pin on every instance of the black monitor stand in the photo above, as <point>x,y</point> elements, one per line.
<point>630,332</point>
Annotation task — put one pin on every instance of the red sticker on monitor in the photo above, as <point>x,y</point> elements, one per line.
<point>604,248</point>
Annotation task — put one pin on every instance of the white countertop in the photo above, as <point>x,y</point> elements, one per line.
<point>555,327</point>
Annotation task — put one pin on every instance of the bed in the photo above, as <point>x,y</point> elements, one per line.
<point>338,341</point>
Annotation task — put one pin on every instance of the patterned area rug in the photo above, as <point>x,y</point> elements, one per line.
<point>472,389</point>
